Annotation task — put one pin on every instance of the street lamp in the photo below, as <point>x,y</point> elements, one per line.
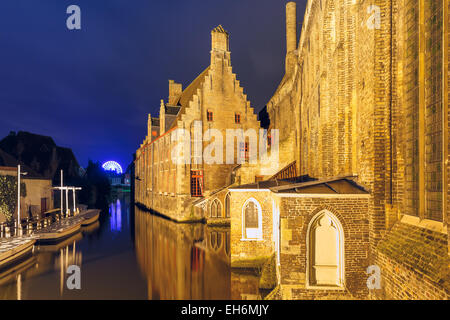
<point>19,225</point>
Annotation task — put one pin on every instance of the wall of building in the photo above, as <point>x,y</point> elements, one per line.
<point>249,249</point>
<point>36,190</point>
<point>371,100</point>
<point>166,186</point>
<point>296,214</point>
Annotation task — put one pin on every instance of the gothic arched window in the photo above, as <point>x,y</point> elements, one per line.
<point>326,263</point>
<point>216,209</point>
<point>252,220</point>
<point>227,205</point>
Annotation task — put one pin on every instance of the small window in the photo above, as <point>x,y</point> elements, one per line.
<point>227,205</point>
<point>197,183</point>
<point>244,150</point>
<point>237,118</point>
<point>209,115</point>
<point>325,251</point>
<point>252,224</point>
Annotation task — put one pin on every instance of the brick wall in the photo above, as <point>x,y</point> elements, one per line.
<point>251,249</point>
<point>296,214</point>
<point>372,100</point>
<point>165,186</point>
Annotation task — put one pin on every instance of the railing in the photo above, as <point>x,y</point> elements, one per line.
<point>30,225</point>
<point>290,171</point>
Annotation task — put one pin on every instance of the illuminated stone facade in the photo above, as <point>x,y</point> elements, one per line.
<point>368,86</point>
<point>363,109</point>
<point>214,99</point>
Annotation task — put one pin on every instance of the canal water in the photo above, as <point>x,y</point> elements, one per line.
<point>128,254</point>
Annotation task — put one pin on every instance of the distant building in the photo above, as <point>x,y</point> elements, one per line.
<point>41,154</point>
<point>39,193</point>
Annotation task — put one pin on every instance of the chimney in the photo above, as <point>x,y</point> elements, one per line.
<point>219,39</point>
<point>175,90</point>
<point>291,26</point>
<point>162,118</point>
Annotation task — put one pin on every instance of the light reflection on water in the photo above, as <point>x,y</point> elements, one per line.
<point>183,261</point>
<point>128,255</point>
<point>115,216</point>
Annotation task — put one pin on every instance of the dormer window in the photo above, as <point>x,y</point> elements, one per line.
<point>237,118</point>
<point>209,115</point>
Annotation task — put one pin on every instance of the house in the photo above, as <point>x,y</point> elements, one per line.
<point>213,103</point>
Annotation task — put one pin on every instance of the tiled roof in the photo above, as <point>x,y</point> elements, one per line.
<point>306,184</point>
<point>187,94</point>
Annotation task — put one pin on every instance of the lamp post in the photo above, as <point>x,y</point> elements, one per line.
<point>74,189</point>
<point>19,225</point>
<point>61,203</point>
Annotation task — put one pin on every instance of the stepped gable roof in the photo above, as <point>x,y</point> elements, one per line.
<point>307,185</point>
<point>187,94</point>
<point>219,29</point>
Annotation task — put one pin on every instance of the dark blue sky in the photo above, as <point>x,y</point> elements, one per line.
<point>91,90</point>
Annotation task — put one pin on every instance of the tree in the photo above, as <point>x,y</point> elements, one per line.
<point>8,196</point>
<point>96,188</point>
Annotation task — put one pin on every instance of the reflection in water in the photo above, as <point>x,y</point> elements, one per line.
<point>183,261</point>
<point>115,218</point>
<point>245,286</point>
<point>176,261</point>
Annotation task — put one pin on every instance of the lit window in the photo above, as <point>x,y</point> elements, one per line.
<point>325,251</point>
<point>244,150</point>
<point>227,205</point>
<point>209,115</point>
<point>252,220</point>
<point>237,118</point>
<point>197,183</point>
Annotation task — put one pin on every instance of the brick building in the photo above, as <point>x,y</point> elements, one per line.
<point>368,85</point>
<point>39,193</point>
<point>318,230</point>
<point>363,109</point>
<point>214,100</point>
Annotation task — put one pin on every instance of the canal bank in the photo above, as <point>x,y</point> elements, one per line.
<point>131,254</point>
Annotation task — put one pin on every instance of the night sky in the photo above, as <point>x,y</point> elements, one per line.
<point>91,90</point>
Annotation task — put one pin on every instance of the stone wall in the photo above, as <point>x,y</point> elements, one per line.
<point>36,190</point>
<point>367,90</point>
<point>248,249</point>
<point>295,216</point>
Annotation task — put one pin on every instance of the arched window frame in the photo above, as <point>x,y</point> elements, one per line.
<point>309,249</point>
<point>228,205</point>
<point>259,229</point>
<point>215,209</point>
